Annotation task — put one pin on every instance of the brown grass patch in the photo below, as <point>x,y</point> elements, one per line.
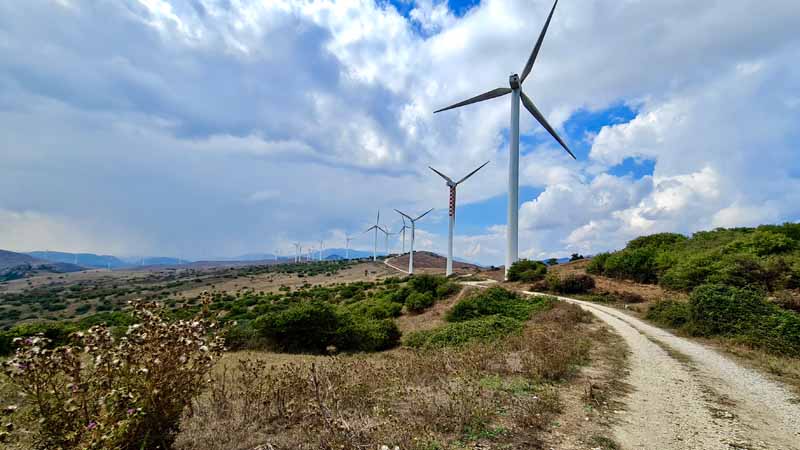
<point>499,392</point>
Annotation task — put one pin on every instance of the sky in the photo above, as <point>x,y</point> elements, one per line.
<point>209,128</point>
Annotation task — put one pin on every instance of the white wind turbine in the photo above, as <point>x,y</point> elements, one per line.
<point>453,185</point>
<point>298,250</point>
<point>347,240</point>
<point>413,230</point>
<point>403,232</point>
<point>515,81</point>
<point>386,233</point>
<point>375,227</point>
<point>320,250</point>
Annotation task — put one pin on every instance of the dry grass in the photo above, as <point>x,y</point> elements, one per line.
<point>502,392</point>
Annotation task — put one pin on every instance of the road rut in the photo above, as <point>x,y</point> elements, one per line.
<point>688,396</point>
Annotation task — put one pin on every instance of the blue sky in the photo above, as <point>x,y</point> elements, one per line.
<point>203,128</point>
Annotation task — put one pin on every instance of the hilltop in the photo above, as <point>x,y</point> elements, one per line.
<point>433,261</point>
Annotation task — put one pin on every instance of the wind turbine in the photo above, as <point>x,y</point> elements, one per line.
<point>347,246</point>
<point>413,229</point>
<point>375,227</point>
<point>386,233</point>
<point>298,249</point>
<point>320,251</point>
<point>515,81</point>
<point>453,185</point>
<point>403,231</point>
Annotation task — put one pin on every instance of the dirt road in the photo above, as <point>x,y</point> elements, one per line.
<point>688,396</point>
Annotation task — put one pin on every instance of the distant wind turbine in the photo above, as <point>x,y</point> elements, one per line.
<point>453,185</point>
<point>298,251</point>
<point>375,227</point>
<point>347,240</point>
<point>386,233</point>
<point>413,230</point>
<point>403,231</point>
<point>515,81</point>
<point>320,251</point>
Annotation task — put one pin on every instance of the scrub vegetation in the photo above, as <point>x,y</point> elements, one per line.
<point>742,283</point>
<point>317,367</point>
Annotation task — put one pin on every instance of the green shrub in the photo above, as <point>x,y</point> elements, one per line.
<point>425,283</point>
<point>762,243</point>
<point>418,301</point>
<point>527,271</point>
<point>724,310</point>
<point>779,332</point>
<point>313,326</point>
<point>637,264</point>
<point>571,283</point>
<point>399,295</point>
<point>496,300</point>
<point>482,329</point>
<point>376,308</point>
<point>597,265</point>
<point>656,241</point>
<point>305,326</point>
<point>669,313</point>
<point>241,336</point>
<point>358,333</point>
<point>447,289</point>
<point>689,272</point>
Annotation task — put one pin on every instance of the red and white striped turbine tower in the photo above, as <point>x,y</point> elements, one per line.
<point>453,185</point>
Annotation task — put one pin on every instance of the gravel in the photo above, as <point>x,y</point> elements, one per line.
<point>688,396</point>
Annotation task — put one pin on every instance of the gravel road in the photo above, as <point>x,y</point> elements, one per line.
<point>688,396</point>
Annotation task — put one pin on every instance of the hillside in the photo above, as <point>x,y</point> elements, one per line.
<point>11,259</point>
<point>15,265</point>
<point>430,260</point>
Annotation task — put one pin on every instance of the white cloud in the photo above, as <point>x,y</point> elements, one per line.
<point>181,119</point>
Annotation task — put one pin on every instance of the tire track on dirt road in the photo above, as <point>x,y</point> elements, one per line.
<point>688,396</point>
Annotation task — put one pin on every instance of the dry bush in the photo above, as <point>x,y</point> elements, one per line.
<point>412,399</point>
<point>101,392</point>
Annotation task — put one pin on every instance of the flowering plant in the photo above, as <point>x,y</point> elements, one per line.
<point>101,391</point>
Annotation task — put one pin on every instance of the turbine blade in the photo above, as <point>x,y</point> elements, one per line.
<point>441,174</point>
<point>538,46</point>
<point>499,92</point>
<point>538,115</point>
<point>472,173</point>
<point>423,214</point>
<point>404,215</point>
<point>378,220</point>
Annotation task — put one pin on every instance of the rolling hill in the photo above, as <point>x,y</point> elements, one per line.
<point>15,265</point>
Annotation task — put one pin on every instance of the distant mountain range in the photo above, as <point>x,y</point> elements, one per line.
<point>20,265</point>
<point>95,261</point>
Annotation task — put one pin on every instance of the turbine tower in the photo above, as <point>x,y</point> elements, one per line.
<point>453,185</point>
<point>375,227</point>
<point>403,231</point>
<point>413,229</point>
<point>515,82</point>
<point>320,250</point>
<point>386,233</point>
<point>347,240</point>
<point>298,249</point>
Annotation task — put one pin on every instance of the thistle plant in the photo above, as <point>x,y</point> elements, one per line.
<point>127,392</point>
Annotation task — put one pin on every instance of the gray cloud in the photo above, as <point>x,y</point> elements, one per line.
<point>207,128</point>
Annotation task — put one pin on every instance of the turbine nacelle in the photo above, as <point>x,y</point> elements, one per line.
<point>514,82</point>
